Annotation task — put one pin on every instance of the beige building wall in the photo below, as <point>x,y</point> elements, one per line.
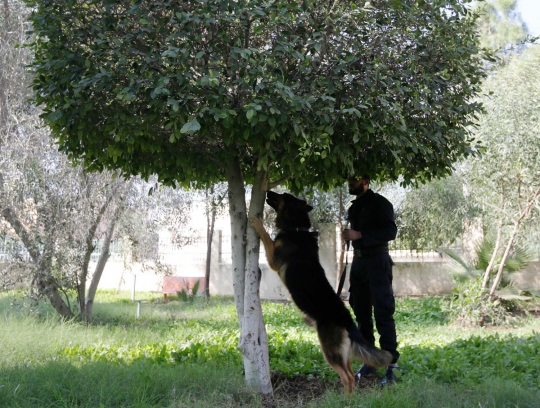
<point>413,275</point>
<point>410,279</point>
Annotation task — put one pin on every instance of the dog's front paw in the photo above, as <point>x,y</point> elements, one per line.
<point>256,222</point>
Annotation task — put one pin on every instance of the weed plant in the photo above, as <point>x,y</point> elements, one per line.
<point>470,305</point>
<point>184,354</point>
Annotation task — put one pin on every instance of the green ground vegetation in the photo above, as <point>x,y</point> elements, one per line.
<point>184,354</point>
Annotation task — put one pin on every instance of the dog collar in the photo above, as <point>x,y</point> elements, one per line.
<point>298,229</point>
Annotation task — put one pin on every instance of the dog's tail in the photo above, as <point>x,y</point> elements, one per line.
<point>367,353</point>
<point>371,355</point>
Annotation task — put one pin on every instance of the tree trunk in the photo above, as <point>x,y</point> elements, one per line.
<point>81,285</point>
<point>498,277</point>
<point>3,80</point>
<point>238,216</point>
<point>517,224</point>
<point>43,262</point>
<point>3,108</point>
<point>343,244</point>
<point>49,285</point>
<point>254,340</point>
<point>211,222</point>
<point>12,219</point>
<point>103,258</point>
<point>50,289</point>
<point>493,256</point>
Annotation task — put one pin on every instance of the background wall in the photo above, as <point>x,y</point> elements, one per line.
<point>414,274</point>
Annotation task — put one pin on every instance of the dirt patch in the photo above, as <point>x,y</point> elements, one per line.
<point>300,390</point>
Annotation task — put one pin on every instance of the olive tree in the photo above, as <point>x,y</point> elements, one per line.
<point>500,26</point>
<point>436,214</point>
<point>506,177</point>
<point>259,93</point>
<point>56,211</point>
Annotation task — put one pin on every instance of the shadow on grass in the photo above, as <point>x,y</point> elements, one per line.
<point>101,384</point>
<point>494,393</point>
<point>476,359</point>
<point>469,363</point>
<point>207,369</point>
<point>489,372</point>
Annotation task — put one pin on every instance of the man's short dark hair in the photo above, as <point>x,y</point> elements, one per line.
<point>364,177</point>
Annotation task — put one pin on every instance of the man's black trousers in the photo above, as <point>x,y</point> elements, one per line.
<point>371,293</point>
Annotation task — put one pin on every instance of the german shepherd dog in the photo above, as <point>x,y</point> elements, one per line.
<point>294,255</point>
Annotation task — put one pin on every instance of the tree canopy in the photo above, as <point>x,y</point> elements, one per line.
<point>499,24</point>
<point>506,179</point>
<point>436,214</point>
<point>310,90</point>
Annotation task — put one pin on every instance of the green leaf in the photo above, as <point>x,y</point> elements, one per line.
<point>250,113</point>
<point>191,127</point>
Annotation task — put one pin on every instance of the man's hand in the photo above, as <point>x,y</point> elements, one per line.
<point>351,235</point>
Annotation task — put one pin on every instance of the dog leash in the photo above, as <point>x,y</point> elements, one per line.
<point>344,273</point>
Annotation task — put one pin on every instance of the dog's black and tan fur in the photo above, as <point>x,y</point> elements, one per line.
<point>294,255</point>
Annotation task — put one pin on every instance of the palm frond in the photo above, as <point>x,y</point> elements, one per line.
<point>460,269</point>
<point>484,251</point>
<point>457,258</point>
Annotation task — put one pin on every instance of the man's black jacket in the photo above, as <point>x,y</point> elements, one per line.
<point>373,216</point>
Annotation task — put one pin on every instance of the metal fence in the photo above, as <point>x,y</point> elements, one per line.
<point>116,250</point>
<point>195,251</point>
<point>192,253</point>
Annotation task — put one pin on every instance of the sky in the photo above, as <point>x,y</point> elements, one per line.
<point>530,13</point>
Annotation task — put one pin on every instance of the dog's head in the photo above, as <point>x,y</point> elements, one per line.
<point>291,212</point>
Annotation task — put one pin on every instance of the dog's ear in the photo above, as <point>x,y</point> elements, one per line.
<point>303,205</point>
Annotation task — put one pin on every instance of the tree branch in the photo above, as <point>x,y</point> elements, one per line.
<point>276,183</point>
<point>10,216</point>
<point>103,258</point>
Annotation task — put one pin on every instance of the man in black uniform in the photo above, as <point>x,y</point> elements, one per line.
<point>372,225</point>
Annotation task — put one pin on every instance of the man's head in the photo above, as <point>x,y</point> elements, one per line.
<point>358,185</point>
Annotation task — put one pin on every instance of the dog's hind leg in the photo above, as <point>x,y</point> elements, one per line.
<point>349,367</point>
<point>347,378</point>
<point>268,243</point>
<point>336,348</point>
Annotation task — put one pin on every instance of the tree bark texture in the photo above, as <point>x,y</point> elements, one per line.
<point>254,340</point>
<point>103,258</point>
<point>517,223</point>
<point>43,262</point>
<point>238,217</point>
<point>493,256</point>
<point>3,80</point>
<point>211,222</point>
<point>81,285</point>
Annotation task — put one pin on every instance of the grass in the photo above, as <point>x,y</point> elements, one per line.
<point>184,354</point>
